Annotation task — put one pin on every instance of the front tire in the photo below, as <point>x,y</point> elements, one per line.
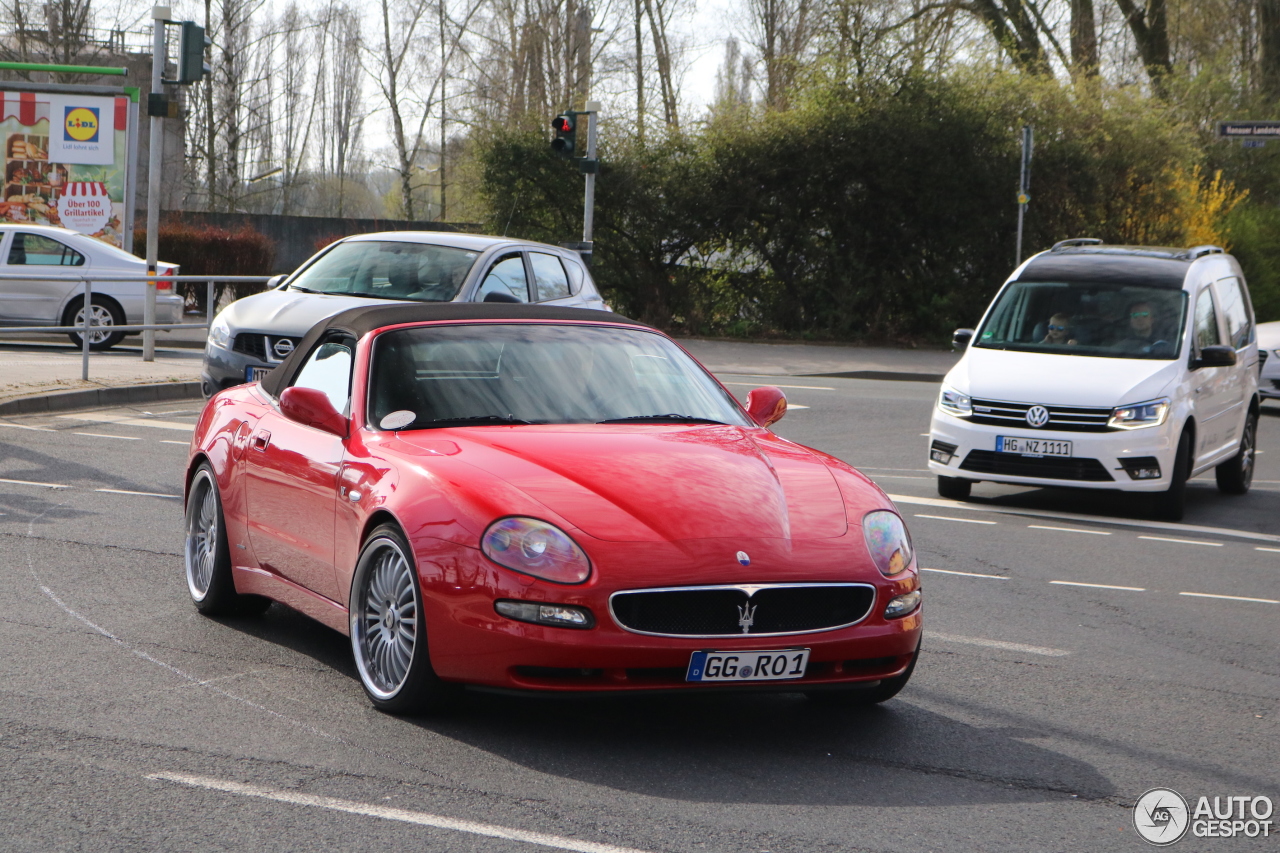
<point>103,313</point>
<point>1235,476</point>
<point>388,632</point>
<point>955,488</point>
<point>1171,503</point>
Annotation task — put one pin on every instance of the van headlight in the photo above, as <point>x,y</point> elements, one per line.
<point>1140,415</point>
<point>954,403</point>
<point>220,333</point>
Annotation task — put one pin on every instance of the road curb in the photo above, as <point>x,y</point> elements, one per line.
<point>89,398</point>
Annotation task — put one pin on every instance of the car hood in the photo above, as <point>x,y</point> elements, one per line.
<point>1061,380</point>
<point>1269,335</point>
<point>630,483</point>
<point>288,312</point>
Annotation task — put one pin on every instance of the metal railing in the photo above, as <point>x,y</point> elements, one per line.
<point>87,328</point>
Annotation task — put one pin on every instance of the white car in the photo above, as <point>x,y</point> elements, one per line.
<point>1105,367</point>
<point>1269,352</point>
<point>43,250</point>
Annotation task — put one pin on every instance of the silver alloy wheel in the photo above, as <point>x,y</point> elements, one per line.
<point>99,315</point>
<point>384,625</point>
<point>201,549</point>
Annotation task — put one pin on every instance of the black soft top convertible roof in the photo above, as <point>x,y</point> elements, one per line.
<point>363,319</point>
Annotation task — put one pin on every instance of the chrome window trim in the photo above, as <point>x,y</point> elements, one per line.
<point>750,590</point>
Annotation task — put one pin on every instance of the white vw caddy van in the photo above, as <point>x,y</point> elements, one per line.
<point>1105,367</point>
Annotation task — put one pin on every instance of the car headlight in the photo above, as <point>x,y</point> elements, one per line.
<point>533,547</point>
<point>887,540</point>
<point>220,333</point>
<point>953,402</point>
<point>1140,415</point>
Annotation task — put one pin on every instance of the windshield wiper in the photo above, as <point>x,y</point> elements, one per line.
<point>474,420</point>
<point>302,289</point>
<point>684,419</point>
<point>368,295</point>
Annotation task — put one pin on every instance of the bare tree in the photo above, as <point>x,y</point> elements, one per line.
<point>1149,25</point>
<point>783,31</point>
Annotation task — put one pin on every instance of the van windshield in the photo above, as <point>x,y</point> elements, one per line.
<point>1086,318</point>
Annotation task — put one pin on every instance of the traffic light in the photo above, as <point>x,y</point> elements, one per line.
<point>566,142</point>
<point>191,48</point>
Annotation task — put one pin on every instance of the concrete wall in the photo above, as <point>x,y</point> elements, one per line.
<point>296,237</point>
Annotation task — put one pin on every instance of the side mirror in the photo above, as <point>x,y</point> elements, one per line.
<point>275,281</point>
<point>311,406</point>
<point>960,338</point>
<point>1216,356</point>
<point>499,296</point>
<point>766,405</point>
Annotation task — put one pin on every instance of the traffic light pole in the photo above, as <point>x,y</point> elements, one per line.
<point>589,197</point>
<point>155,163</point>
<point>1024,186</point>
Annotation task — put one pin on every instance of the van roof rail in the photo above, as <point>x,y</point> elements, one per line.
<point>1076,241</point>
<point>1200,251</point>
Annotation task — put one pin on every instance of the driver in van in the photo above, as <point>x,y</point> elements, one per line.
<point>1058,330</point>
<point>1141,332</point>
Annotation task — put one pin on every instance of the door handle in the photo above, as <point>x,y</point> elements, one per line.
<point>261,440</point>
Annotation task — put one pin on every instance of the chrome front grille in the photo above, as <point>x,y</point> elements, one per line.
<point>269,348</point>
<point>758,610</point>
<point>1061,418</point>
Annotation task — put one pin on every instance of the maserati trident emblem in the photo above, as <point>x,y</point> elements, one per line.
<point>746,616</point>
<point>743,558</point>
<point>1037,416</point>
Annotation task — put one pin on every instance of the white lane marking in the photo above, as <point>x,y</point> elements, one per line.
<point>144,494</point>
<point>33,429</point>
<point>30,483</point>
<point>489,830</point>
<point>1272,550</point>
<point>806,387</point>
<point>966,574</point>
<point>1231,597</point>
<point>949,518</point>
<point>895,477</point>
<point>1082,517</point>
<point>1068,529</point>
<point>171,441</point>
<point>796,406</point>
<point>924,435</point>
<point>126,420</point>
<point>1182,541</point>
<point>101,435</point>
<point>1100,586</point>
<point>883,468</point>
<point>997,644</point>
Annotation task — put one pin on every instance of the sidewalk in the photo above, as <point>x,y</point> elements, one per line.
<point>39,369</point>
<point>787,359</point>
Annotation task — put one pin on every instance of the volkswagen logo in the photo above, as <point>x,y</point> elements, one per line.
<point>1037,416</point>
<point>284,346</point>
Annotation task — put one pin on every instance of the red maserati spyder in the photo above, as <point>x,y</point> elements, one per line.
<point>544,499</point>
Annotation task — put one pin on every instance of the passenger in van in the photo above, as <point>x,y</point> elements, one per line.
<point>1058,331</point>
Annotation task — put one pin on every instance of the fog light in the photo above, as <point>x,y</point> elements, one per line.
<point>559,615</point>
<point>902,605</point>
<point>1141,467</point>
<point>941,451</point>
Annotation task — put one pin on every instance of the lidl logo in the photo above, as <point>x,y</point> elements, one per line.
<point>82,124</point>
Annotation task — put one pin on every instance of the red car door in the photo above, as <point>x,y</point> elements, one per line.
<point>291,480</point>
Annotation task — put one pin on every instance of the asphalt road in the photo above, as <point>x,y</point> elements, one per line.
<point>1073,659</point>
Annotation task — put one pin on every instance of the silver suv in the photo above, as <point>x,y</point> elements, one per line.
<point>252,335</point>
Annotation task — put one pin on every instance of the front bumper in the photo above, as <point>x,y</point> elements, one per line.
<point>1098,457</point>
<point>472,643</point>
<point>224,368</point>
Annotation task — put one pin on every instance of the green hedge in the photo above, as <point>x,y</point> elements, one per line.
<point>886,213</point>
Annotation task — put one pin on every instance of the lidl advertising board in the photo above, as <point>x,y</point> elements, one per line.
<point>66,162</point>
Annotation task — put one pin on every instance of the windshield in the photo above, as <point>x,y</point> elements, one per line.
<point>1111,321</point>
<point>482,374</point>
<point>389,270</point>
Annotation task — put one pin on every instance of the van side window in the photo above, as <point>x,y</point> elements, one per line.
<point>1206,321</point>
<point>1235,310</point>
